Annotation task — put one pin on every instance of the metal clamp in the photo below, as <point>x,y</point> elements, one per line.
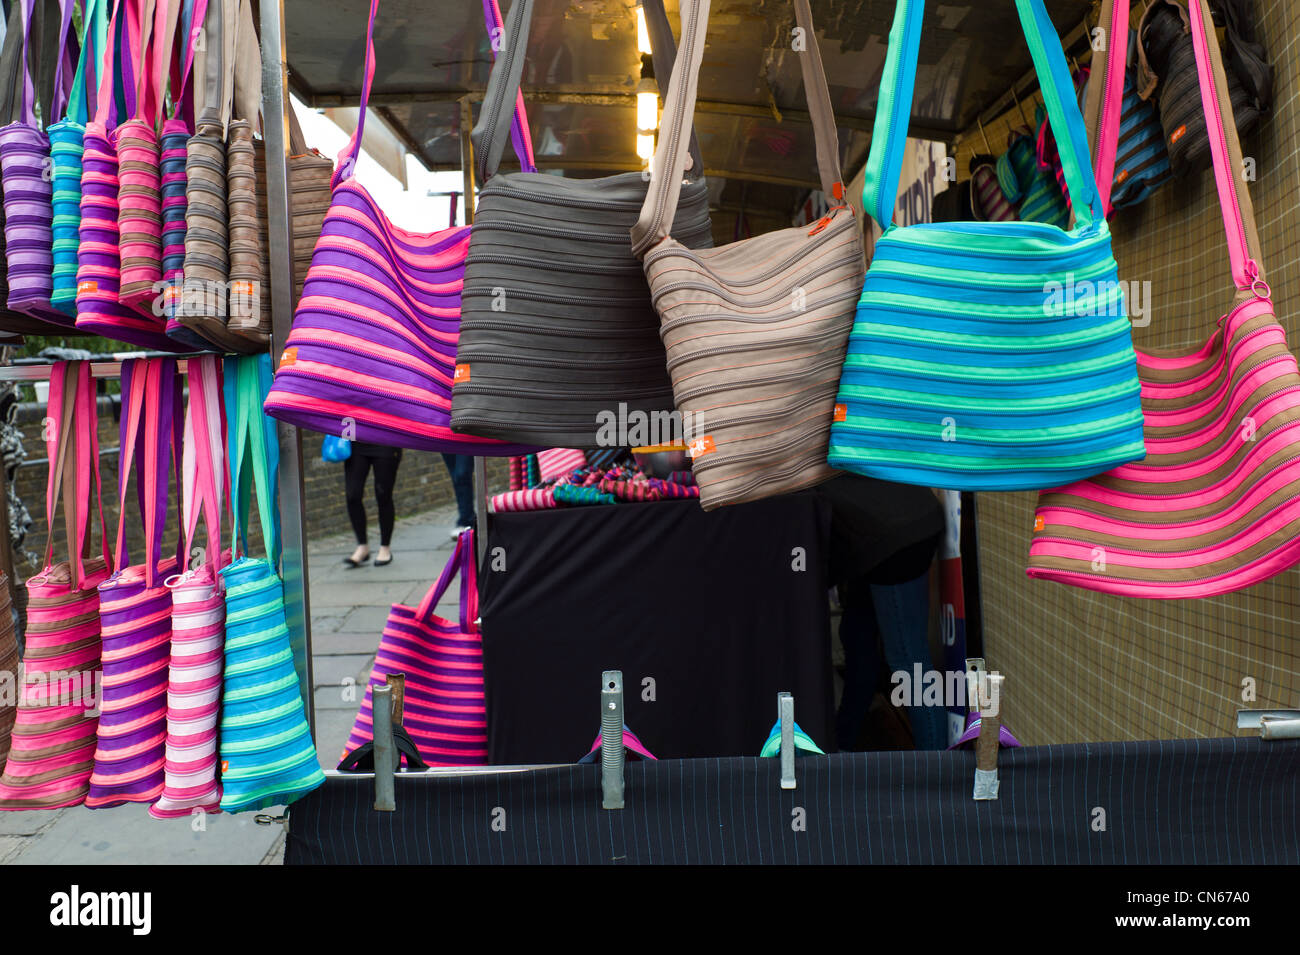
<point>385,748</point>
<point>611,739</point>
<point>785,713</point>
<point>986,744</point>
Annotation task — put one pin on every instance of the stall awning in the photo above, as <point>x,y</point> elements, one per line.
<point>583,68</point>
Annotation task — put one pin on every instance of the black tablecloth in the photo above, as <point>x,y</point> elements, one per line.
<point>1191,802</point>
<point>719,611</point>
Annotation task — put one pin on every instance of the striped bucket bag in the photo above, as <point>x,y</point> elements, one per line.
<point>135,603</point>
<point>66,145</point>
<point>1028,185</point>
<point>1141,158</point>
<point>444,712</point>
<point>245,176</point>
<point>266,750</point>
<point>99,258</point>
<point>205,291</point>
<point>755,331</point>
<point>8,668</point>
<point>987,355</point>
<point>558,328</point>
<point>198,609</point>
<point>25,165</point>
<point>374,339</point>
<point>172,143</point>
<point>1167,71</point>
<point>12,91</point>
<point>139,213</point>
<point>53,744</point>
<point>1215,505</point>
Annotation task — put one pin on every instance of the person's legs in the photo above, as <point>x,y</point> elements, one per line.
<point>860,637</point>
<point>385,478</point>
<point>903,615</point>
<point>461,469</point>
<point>355,469</point>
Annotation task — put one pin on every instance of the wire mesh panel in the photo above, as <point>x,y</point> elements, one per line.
<point>1084,666</point>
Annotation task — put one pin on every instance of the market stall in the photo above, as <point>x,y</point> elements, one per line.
<point>801,272</point>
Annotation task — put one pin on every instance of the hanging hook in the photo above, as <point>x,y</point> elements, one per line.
<point>984,136</point>
<point>1020,109</point>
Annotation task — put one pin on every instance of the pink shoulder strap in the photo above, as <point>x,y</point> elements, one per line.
<point>462,561</point>
<point>204,456</point>
<point>1105,97</point>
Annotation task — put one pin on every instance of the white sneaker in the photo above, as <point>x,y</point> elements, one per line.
<point>457,531</point>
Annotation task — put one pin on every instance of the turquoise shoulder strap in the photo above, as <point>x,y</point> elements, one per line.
<point>94,36</point>
<point>894,108</point>
<point>255,455</point>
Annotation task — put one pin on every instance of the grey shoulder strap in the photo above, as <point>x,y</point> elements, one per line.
<point>493,127</point>
<point>656,219</point>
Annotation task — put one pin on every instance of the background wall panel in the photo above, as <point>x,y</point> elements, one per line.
<point>1083,666</point>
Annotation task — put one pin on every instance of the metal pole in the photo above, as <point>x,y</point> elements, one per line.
<point>480,464</point>
<point>293,517</point>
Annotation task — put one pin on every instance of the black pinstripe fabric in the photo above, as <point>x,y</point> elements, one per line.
<point>1197,802</point>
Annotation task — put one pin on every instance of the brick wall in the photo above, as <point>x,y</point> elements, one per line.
<point>422,484</point>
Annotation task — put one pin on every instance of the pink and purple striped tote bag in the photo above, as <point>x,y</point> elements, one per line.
<point>139,211</point>
<point>99,262</point>
<point>198,609</point>
<point>374,336</point>
<point>135,605</point>
<point>444,710</point>
<point>53,742</point>
<point>25,168</point>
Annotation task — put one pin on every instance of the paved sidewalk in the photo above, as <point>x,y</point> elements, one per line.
<point>348,609</point>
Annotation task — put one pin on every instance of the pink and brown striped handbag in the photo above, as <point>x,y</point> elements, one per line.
<point>198,609</point>
<point>1215,505</point>
<point>53,742</point>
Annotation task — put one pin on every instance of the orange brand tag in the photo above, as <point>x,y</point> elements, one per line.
<point>86,288</point>
<point>461,374</point>
<point>701,446</point>
<point>170,294</point>
<point>1177,134</point>
<point>289,357</point>
<point>225,765</point>
<point>1039,523</point>
<point>841,413</point>
<point>1122,176</point>
<point>242,288</point>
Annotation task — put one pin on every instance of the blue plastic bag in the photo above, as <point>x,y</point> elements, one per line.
<point>335,448</point>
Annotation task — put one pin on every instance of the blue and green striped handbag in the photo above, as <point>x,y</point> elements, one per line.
<point>267,754</point>
<point>987,356</point>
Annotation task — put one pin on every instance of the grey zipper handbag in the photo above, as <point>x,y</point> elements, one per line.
<point>557,330</point>
<point>755,331</point>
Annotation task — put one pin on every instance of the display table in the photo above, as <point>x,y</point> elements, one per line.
<point>1188,802</point>
<point>708,615</point>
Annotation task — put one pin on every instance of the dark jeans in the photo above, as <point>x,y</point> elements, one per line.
<point>461,469</point>
<point>355,470</point>
<point>897,616</point>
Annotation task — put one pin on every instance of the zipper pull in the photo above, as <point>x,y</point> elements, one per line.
<point>825,220</point>
<point>822,223</point>
<point>1257,285</point>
